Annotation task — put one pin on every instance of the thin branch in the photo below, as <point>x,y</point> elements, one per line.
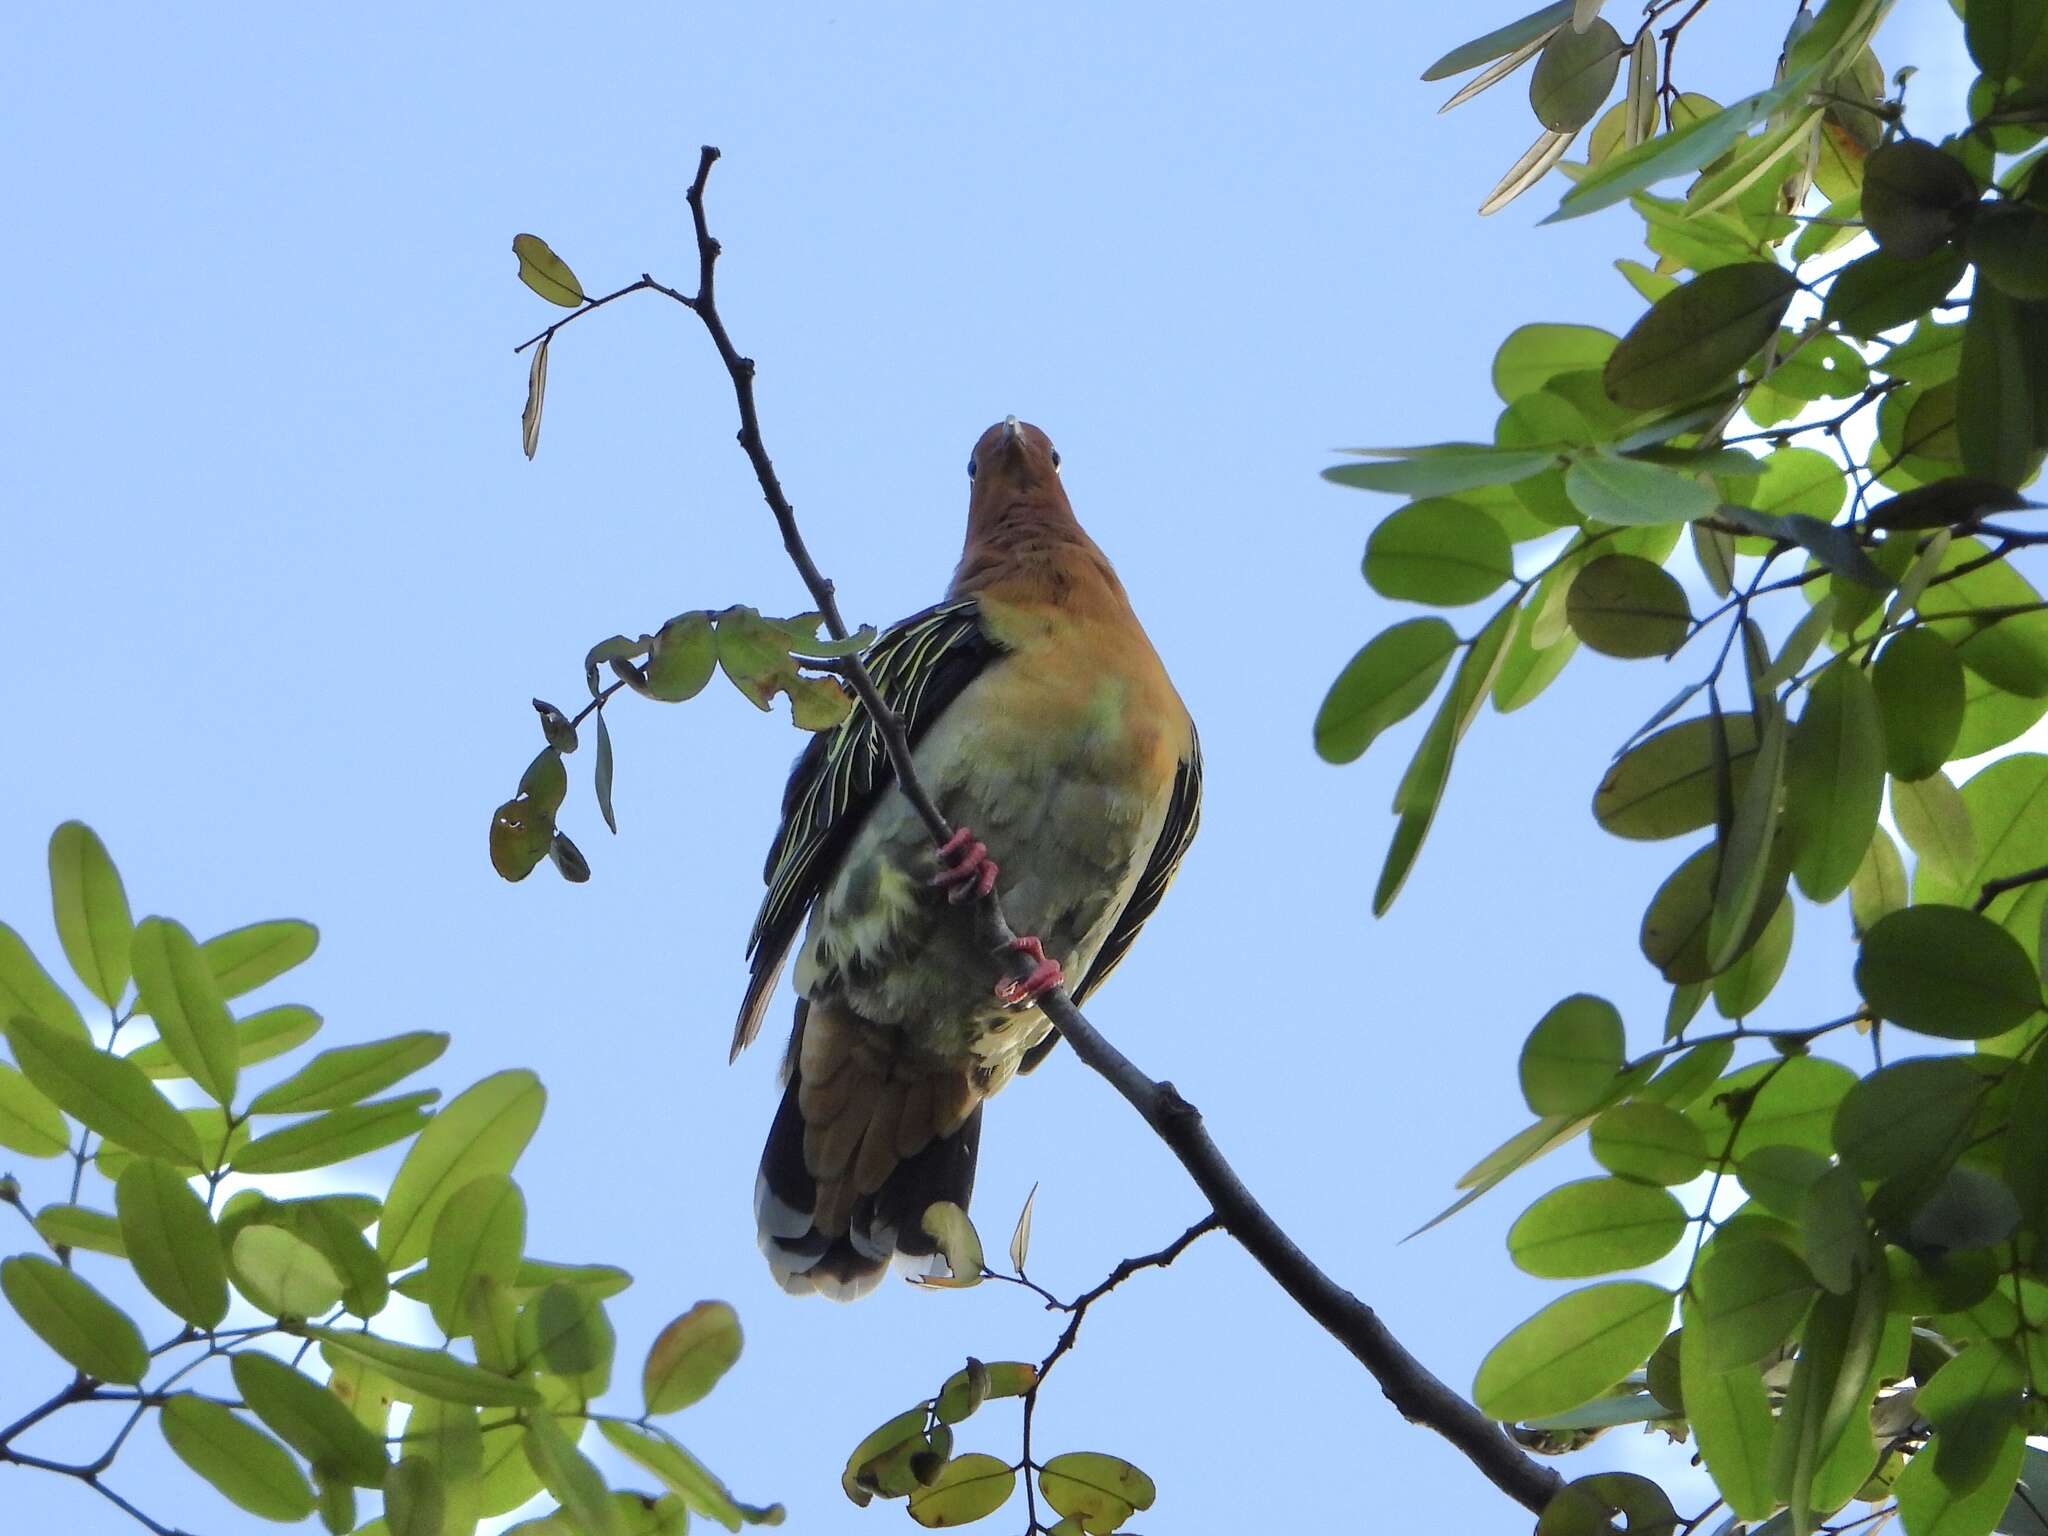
<point>1993,889</point>
<point>1078,1307</point>
<point>1415,1392</point>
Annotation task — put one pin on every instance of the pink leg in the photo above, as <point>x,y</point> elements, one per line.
<point>965,869</point>
<point>1043,978</point>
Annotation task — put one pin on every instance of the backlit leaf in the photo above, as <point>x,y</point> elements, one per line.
<point>250,1469</point>
<point>689,1356</point>
<point>1572,1056</point>
<point>1834,781</point>
<point>177,988</point>
<point>545,272</point>
<point>82,1326</point>
<point>1594,1227</point>
<point>1572,1350</point>
<point>1384,683</point>
<point>243,959</point>
<point>170,1239</point>
<point>1440,551</point>
<point>91,910</point>
<point>108,1094</point>
<point>349,1074</point>
<point>1621,605</point>
<point>483,1130</point>
<point>967,1489</point>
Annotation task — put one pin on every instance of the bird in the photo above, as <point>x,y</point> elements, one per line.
<point>1044,726</point>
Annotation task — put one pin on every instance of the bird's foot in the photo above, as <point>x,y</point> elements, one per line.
<point>965,869</point>
<point>1013,991</point>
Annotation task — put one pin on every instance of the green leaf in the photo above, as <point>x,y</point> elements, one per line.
<point>1749,1298</point>
<point>1799,481</point>
<point>1909,1117</point>
<point>243,959</point>
<point>1968,1209</point>
<point>1594,1227</point>
<point>1524,1147</point>
<point>1745,895</point>
<point>29,1123</point>
<point>1675,928</point>
<point>1789,1103</point>
<point>1667,784</point>
<point>429,1372</point>
<point>1882,291</point>
<point>1945,971</point>
<point>1834,1230</point>
<point>963,1393</point>
<point>1678,153</point>
<point>1695,339</point>
<point>1914,197</point>
<point>2011,651</point>
<point>1961,1481</point>
<point>565,1332</point>
<point>1572,1056</point>
<point>337,1136</point>
<point>1422,786</point>
<point>1879,885</point>
<point>1384,683</point>
<point>2008,243</point>
<point>1440,551</point>
<point>1996,411</point>
<point>1834,781</point>
<point>104,1092</point>
<point>283,1274</point>
<point>1936,825</point>
<point>482,1131</point>
<point>958,1243</point>
<point>1741,989</point>
<point>26,988</point>
<point>349,1074</point>
<point>1649,1142</point>
<point>968,1488</point>
<point>1574,74</point>
<point>1441,469</point>
<point>545,272</point>
<point>481,1231</point>
<point>568,1474</point>
<point>177,990</point>
<point>1622,605</point>
<point>684,656</point>
<point>79,1226</point>
<point>82,1326</point>
<point>91,910</point>
<point>689,1356</point>
<point>251,1470</point>
<point>1635,492</point>
<point>1533,355</point>
<point>258,1038</point>
<point>2005,36</point>
<point>1779,1178</point>
<point>169,1237</point>
<point>680,1472</point>
<point>332,1227</point>
<point>1731,1421</point>
<point>2026,1143</point>
<point>1688,1076</point>
<point>601,780</point>
<point>1572,1350</point>
<point>1500,42</point>
<point>1831,1387</point>
<point>1100,1492</point>
<point>415,1504</point>
<point>1919,683</point>
<point>446,1436</point>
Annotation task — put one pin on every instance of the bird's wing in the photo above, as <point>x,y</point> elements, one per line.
<point>1183,816</point>
<point>919,666</point>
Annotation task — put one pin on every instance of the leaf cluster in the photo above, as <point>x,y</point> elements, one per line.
<point>256,1283</point>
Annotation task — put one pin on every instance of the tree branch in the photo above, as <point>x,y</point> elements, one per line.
<point>1418,1395</point>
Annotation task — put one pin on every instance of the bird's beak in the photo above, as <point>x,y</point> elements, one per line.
<point>1009,431</point>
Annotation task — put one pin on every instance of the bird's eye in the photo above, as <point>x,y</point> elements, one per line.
<point>970,469</point>
<point>1055,458</point>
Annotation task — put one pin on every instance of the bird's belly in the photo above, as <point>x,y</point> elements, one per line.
<point>1070,832</point>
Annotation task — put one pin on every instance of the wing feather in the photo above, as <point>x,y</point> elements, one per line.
<point>919,667</point>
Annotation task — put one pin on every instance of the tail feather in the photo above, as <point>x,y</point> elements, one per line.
<point>856,1156</point>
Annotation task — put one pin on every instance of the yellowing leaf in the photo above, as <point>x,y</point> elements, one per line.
<point>545,272</point>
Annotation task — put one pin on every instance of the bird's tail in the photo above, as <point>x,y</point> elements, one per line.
<point>867,1137</point>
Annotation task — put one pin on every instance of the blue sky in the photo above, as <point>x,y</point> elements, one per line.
<point>282,583</point>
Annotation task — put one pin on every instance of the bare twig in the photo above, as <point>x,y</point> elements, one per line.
<point>1414,1391</point>
<point>1993,889</point>
<point>1078,1307</point>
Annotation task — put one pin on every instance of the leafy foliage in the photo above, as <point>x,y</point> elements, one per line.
<point>1826,418</point>
<point>255,1384</point>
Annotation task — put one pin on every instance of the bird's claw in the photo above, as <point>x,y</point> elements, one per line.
<point>966,872</point>
<point>1014,991</point>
